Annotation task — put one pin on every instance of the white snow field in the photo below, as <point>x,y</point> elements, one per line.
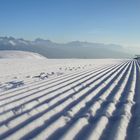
<point>20,54</point>
<point>69,99</point>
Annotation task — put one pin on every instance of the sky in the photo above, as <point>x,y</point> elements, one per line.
<point>102,21</point>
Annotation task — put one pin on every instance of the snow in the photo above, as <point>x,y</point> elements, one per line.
<point>19,54</point>
<point>69,99</point>
<point>12,42</point>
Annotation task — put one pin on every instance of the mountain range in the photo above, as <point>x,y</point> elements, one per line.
<point>74,49</point>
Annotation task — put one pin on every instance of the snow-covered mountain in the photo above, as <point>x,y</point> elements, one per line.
<point>74,49</point>
<point>13,42</point>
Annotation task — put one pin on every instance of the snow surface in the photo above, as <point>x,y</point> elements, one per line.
<point>20,54</point>
<point>69,99</point>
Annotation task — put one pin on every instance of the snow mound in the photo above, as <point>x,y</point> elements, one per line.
<point>20,54</point>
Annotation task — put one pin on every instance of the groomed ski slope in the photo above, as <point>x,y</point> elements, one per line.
<point>100,101</point>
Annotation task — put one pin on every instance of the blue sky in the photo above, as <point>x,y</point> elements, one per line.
<point>106,21</point>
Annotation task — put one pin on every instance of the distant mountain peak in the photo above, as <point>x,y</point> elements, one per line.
<point>42,40</point>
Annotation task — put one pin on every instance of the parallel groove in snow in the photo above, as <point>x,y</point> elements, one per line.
<point>72,105</point>
<point>46,108</point>
<point>92,110</point>
<point>77,107</point>
<point>62,86</point>
<point>107,113</point>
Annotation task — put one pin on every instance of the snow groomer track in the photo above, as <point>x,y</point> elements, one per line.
<point>98,103</point>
